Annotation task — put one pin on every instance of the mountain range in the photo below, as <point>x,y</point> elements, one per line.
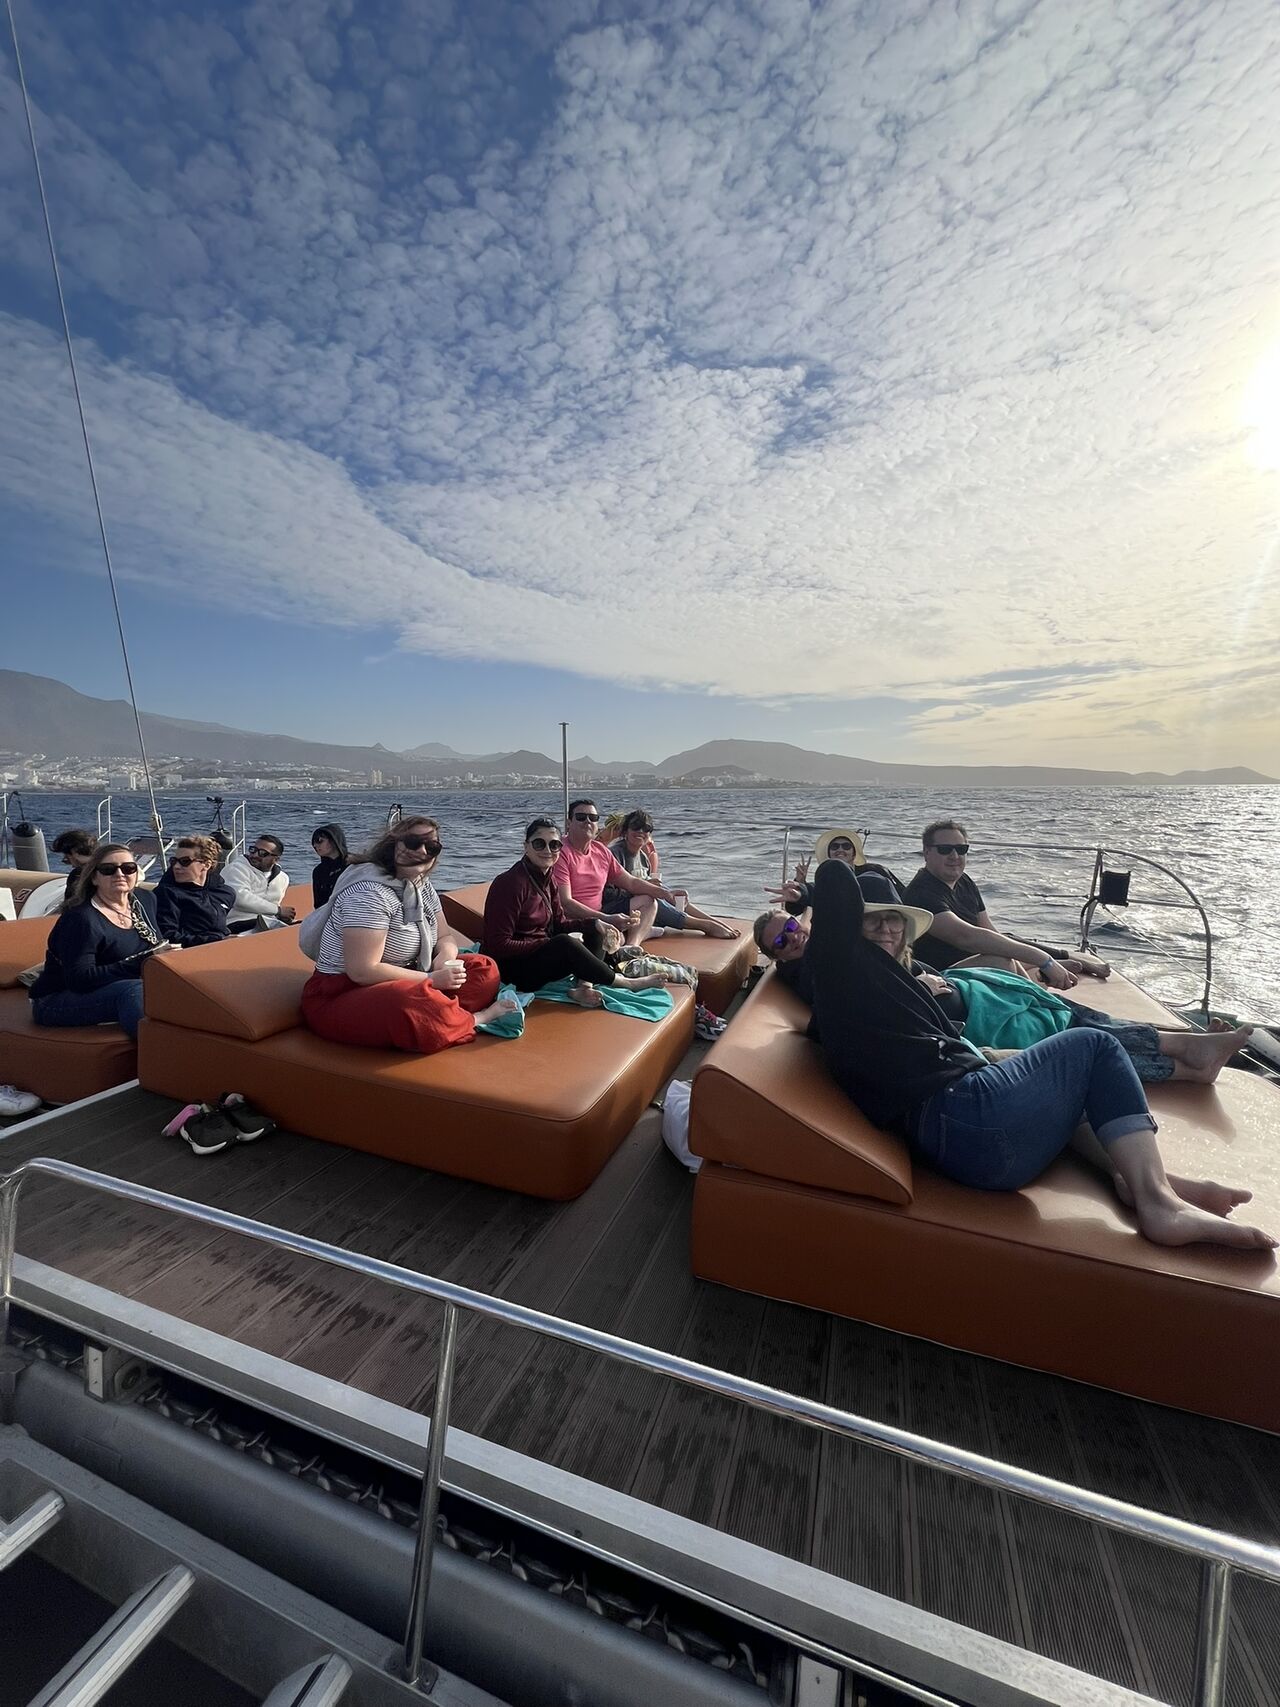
<point>41,715</point>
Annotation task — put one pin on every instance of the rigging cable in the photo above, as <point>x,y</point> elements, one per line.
<point>84,426</point>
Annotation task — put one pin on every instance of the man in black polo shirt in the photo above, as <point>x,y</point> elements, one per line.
<point>963,931</point>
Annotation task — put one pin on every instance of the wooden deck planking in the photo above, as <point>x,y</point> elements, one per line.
<point>618,1258</point>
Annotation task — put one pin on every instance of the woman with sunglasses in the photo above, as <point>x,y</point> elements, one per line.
<point>329,844</point>
<point>388,972</point>
<point>994,1125</point>
<point>93,964</point>
<point>527,931</point>
<point>634,851</point>
<point>192,901</point>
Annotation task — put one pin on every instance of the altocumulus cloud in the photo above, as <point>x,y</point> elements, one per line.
<point>924,328</point>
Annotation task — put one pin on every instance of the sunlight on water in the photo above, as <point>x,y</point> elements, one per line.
<point>725,847</point>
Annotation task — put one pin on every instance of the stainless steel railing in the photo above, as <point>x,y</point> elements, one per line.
<point>1220,1554</point>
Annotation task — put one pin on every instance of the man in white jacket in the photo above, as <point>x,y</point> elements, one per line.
<point>260,887</point>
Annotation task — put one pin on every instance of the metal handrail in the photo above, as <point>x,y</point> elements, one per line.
<point>1099,854</point>
<point>1220,1554</point>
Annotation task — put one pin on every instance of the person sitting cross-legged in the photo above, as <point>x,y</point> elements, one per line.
<point>634,850</point>
<point>585,868</point>
<point>388,973</point>
<point>530,937</point>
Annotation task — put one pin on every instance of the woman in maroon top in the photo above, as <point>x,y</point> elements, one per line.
<point>527,932</point>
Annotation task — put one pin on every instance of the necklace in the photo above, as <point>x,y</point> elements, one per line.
<point>122,916</point>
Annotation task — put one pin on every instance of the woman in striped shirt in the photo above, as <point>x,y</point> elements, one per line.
<point>388,974</point>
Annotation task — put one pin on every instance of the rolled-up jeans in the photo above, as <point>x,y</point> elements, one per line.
<point>1000,1127</point>
<point>120,1001</point>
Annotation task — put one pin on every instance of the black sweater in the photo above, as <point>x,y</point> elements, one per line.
<point>323,878</point>
<point>192,913</point>
<point>86,951</point>
<point>887,1043</point>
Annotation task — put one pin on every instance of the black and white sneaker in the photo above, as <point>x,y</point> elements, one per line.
<point>248,1122</point>
<point>208,1131</point>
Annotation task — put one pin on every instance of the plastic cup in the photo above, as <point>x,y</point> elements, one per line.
<point>681,900</point>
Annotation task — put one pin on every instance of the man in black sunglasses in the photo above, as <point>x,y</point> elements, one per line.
<point>260,884</point>
<point>963,932</point>
<point>585,869</point>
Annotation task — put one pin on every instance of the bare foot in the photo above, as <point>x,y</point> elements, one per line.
<point>1209,1051</point>
<point>586,996</point>
<point>1216,1024</point>
<point>1182,1224</point>
<point>1208,1194</point>
<point>718,928</point>
<point>649,981</point>
<point>495,1010</point>
<point>1089,965</point>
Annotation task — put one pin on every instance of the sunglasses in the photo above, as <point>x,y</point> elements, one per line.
<point>545,845</point>
<point>263,853</point>
<point>788,930</point>
<point>841,844</point>
<point>586,817</point>
<point>951,847</point>
<point>420,844</point>
<point>126,868</point>
<point>184,860</point>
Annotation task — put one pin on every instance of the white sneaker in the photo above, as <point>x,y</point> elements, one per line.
<point>14,1101</point>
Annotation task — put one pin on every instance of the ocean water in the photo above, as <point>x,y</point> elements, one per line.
<point>726,846</point>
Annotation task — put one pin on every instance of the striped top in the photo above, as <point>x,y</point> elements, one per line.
<point>369,905</point>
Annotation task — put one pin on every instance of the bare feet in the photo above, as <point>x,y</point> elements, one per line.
<point>495,1010</point>
<point>649,981</point>
<point>718,928</point>
<point>1175,1223</point>
<point>1207,1052</point>
<point>586,996</point>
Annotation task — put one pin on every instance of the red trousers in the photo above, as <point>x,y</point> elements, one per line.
<point>403,1014</point>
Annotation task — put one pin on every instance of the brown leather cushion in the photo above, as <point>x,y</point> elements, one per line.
<point>249,986</point>
<point>1055,1276</point>
<point>60,1063</point>
<point>22,944</point>
<point>721,963</point>
<point>298,896</point>
<point>763,1100</point>
<point>539,1114</point>
<point>1124,1000</point>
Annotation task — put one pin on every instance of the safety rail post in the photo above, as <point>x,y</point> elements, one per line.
<point>429,1510</point>
<point>10,1185</point>
<point>1213,1627</point>
<point>237,822</point>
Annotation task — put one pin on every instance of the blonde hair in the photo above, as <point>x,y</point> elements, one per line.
<point>203,846</point>
<point>903,956</point>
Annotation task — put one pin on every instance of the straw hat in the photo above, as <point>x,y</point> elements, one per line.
<point>824,841</point>
<point>881,896</point>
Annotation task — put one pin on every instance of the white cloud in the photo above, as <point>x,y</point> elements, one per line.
<point>843,352</point>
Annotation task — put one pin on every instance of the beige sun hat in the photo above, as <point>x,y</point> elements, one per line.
<point>825,840</point>
<point>872,884</point>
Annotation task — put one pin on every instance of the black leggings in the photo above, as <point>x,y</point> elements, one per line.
<point>557,958</point>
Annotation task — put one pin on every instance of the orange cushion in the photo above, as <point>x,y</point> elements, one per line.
<point>249,986</point>
<point>22,944</point>
<point>764,1100</point>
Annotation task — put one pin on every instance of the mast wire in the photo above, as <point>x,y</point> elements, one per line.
<point>84,426</point>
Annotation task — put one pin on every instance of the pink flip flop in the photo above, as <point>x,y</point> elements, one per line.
<point>179,1119</point>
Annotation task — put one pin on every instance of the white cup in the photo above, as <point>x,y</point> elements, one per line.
<point>681,900</point>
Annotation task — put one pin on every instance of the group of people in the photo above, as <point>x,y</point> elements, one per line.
<point>918,1047</point>
<point>389,970</point>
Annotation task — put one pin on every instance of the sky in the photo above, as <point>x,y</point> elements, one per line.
<point>891,378</point>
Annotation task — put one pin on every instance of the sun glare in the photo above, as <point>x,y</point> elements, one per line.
<point>1261,411</point>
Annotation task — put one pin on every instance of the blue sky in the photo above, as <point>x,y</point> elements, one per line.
<point>893,379</point>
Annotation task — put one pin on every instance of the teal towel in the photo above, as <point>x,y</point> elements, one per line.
<point>653,1004</point>
<point>507,1025</point>
<point>1006,1011</point>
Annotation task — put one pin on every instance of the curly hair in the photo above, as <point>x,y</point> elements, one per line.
<point>204,847</point>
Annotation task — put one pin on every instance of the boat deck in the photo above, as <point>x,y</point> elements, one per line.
<point>617,1258</point>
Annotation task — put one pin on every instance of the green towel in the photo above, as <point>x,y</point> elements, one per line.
<point>1006,1011</point>
<point>507,1025</point>
<point>653,1004</point>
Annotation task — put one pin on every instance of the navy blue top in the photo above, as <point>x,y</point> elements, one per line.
<point>86,951</point>
<point>192,913</point>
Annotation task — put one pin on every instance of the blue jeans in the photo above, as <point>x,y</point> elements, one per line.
<point>619,901</point>
<point>120,1002</point>
<point>1140,1042</point>
<point>999,1128</point>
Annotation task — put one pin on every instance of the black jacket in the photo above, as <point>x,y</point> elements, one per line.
<point>191,914</point>
<point>888,1044</point>
<point>323,878</point>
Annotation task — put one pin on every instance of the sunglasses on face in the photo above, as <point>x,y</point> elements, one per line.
<point>263,853</point>
<point>420,844</point>
<point>841,844</point>
<point>586,817</point>
<point>951,847</point>
<point>183,860</point>
<point>126,868</point>
<point>546,845</point>
<point>788,930</point>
